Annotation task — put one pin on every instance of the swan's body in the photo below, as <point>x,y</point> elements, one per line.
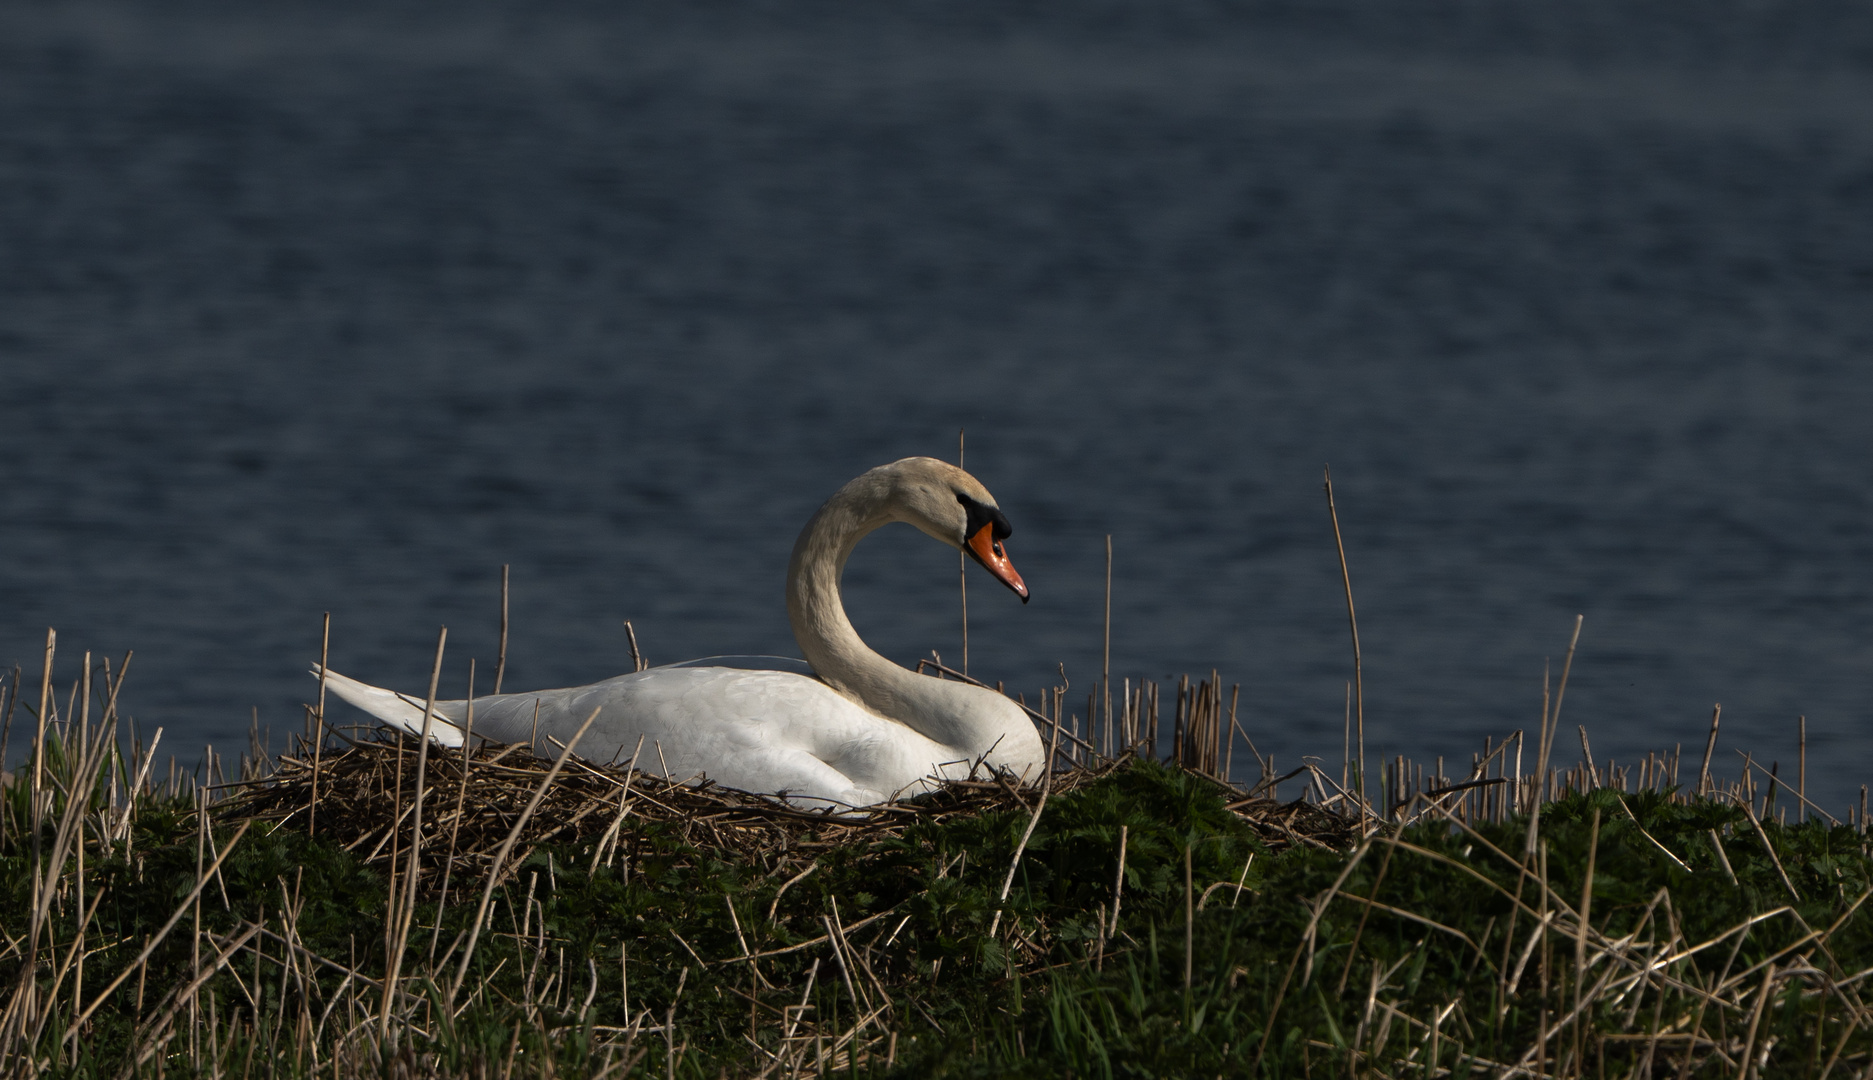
<point>847,727</point>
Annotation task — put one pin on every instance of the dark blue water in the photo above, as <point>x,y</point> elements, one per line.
<point>310,308</point>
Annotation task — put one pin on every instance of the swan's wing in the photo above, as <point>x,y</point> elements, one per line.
<point>760,724</point>
<point>765,727</point>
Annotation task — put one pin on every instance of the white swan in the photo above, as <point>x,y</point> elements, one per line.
<point>850,729</point>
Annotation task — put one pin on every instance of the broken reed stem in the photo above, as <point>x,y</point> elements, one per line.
<point>1352,619</point>
<point>1229,760</point>
<point>637,656</point>
<point>1710,745</point>
<point>500,660</point>
<point>1801,768</point>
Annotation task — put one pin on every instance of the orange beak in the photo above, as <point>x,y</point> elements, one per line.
<point>994,558</point>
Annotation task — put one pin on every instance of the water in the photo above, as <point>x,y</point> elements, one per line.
<point>314,308</point>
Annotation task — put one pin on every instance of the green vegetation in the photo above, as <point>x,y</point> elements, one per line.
<point>876,945</point>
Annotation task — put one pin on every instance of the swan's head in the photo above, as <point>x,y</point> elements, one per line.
<point>952,506</point>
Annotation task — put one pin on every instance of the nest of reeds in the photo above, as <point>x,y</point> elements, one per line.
<point>364,797</point>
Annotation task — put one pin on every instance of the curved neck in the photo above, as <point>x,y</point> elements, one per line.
<point>932,707</point>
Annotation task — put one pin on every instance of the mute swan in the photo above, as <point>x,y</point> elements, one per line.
<point>848,727</point>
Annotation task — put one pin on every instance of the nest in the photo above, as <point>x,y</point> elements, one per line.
<point>363,797</point>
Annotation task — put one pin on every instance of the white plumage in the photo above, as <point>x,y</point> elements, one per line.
<point>845,728</point>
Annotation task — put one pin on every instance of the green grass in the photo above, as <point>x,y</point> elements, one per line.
<point>1293,976</point>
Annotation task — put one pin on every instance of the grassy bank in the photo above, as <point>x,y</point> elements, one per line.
<point>1133,918</point>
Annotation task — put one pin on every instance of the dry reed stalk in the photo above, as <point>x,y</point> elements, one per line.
<point>1229,758</point>
<point>1580,936</point>
<point>1550,719</point>
<point>36,810</point>
<point>1047,787</point>
<point>860,997</point>
<point>1371,896</point>
<point>318,727</point>
<point>1750,763</point>
<point>1801,774</point>
<point>1190,917</point>
<point>1346,747</point>
<point>1307,938</point>
<point>1118,883</point>
<point>148,757</point>
<point>500,662</point>
<point>25,1005</point>
<point>1105,663</point>
<point>149,948</point>
<point>156,1036</point>
<point>405,909</point>
<point>1710,745</point>
<point>1543,949</point>
<point>1749,811</point>
<point>7,823</point>
<point>1359,682</point>
<point>638,662</point>
<point>494,873</point>
<point>455,820</point>
<point>1745,1064</point>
